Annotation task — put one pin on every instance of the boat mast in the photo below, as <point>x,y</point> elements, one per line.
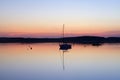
<point>63,32</point>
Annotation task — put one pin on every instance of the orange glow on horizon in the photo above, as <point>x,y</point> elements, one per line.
<point>44,29</point>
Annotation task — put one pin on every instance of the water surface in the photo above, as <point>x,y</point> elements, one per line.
<point>44,61</point>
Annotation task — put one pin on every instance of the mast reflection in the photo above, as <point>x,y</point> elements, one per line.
<point>64,50</point>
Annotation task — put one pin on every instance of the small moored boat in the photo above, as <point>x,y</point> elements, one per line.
<point>64,46</point>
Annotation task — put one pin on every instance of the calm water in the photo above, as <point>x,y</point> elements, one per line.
<point>46,62</point>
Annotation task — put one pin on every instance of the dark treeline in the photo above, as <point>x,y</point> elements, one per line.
<point>81,39</point>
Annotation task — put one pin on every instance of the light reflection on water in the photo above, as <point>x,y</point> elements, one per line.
<point>46,62</point>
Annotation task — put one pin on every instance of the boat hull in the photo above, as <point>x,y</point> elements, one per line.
<point>65,46</point>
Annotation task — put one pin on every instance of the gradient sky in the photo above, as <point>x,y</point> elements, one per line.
<point>44,18</point>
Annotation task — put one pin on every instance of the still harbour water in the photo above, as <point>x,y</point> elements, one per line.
<point>44,61</point>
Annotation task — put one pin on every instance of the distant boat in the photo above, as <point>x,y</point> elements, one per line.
<point>64,46</point>
<point>96,44</point>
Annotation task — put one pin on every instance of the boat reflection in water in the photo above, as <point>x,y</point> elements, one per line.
<point>64,47</point>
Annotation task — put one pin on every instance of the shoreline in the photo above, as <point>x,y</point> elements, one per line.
<point>79,39</point>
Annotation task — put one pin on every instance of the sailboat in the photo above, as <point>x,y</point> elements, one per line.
<point>64,46</point>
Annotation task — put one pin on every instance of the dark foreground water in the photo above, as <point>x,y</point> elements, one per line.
<point>44,61</point>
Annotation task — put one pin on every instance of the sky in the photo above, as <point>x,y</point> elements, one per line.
<point>44,18</point>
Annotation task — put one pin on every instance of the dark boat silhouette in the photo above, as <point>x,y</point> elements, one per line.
<point>64,46</point>
<point>96,44</point>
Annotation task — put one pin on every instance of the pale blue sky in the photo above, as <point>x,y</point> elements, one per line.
<point>79,15</point>
<point>89,7</point>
